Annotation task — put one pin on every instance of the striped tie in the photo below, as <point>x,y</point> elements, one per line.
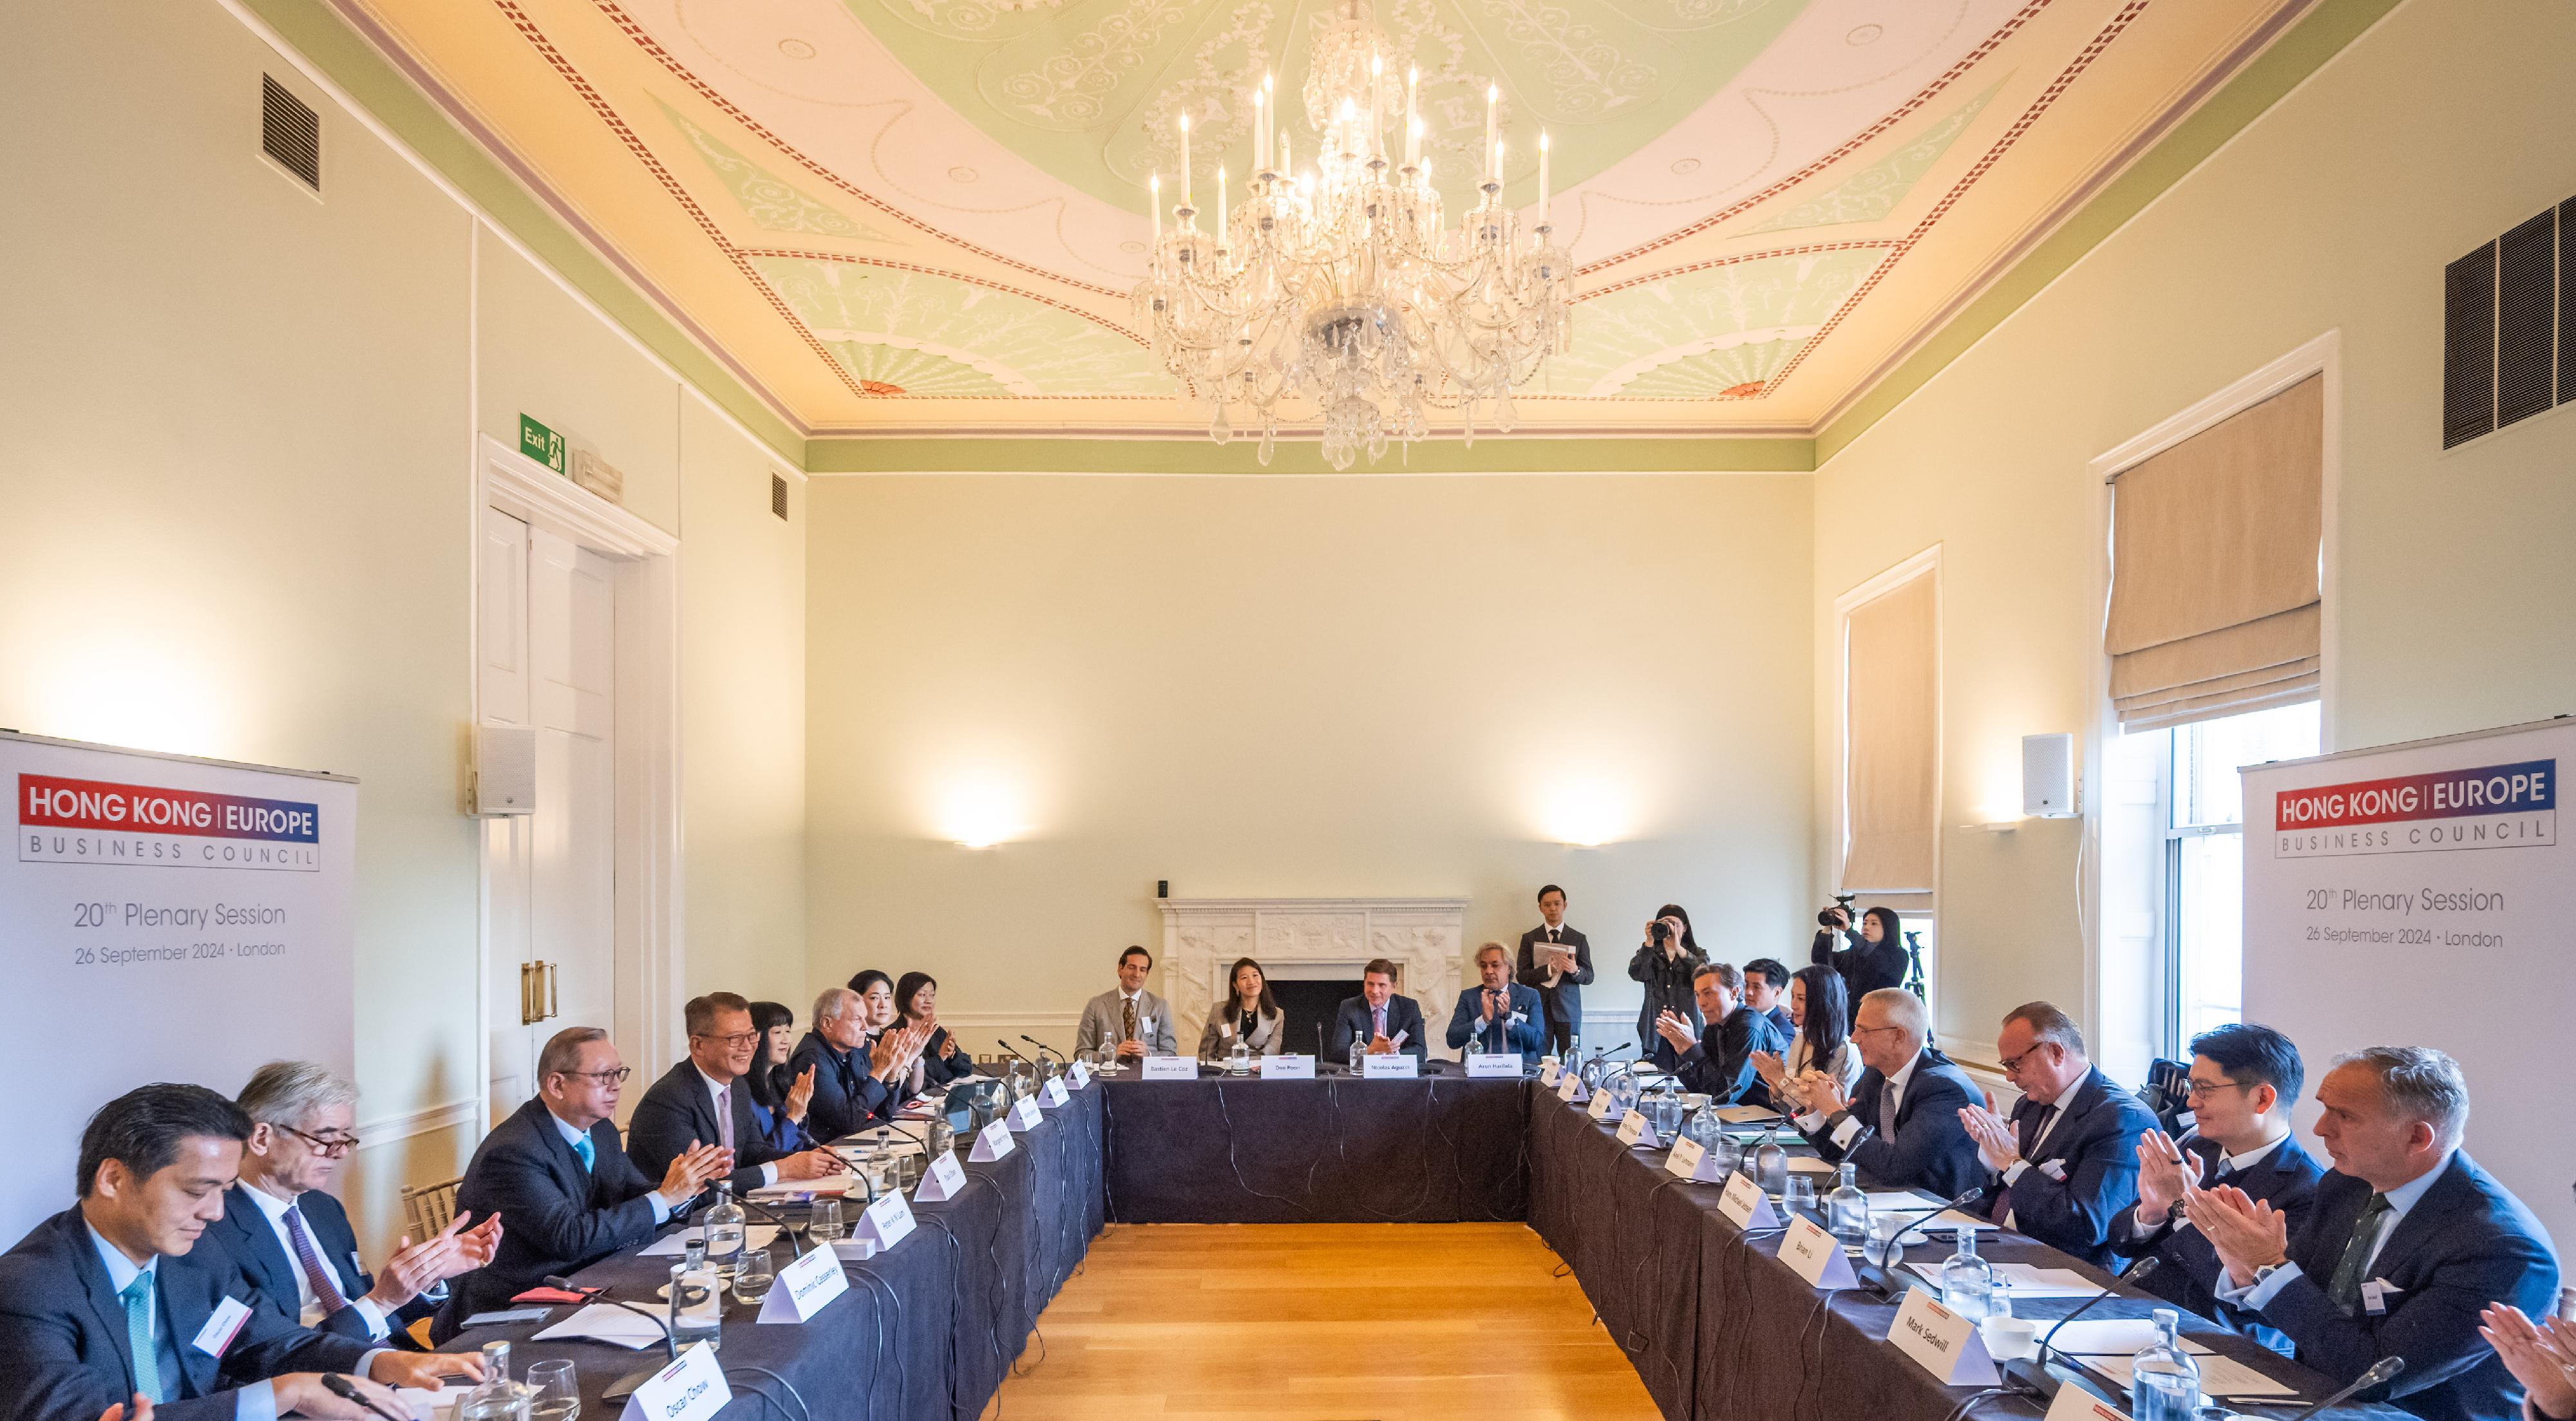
<point>138,1336</point>
<point>326,1289</point>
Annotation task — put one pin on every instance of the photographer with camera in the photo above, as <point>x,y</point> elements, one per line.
<point>1876,955</point>
<point>1666,961</point>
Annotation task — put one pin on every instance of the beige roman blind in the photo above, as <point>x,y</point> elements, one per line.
<point>2214,600</point>
<point>1892,745</point>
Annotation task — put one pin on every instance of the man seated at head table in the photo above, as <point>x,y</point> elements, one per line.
<point>292,1240</point>
<point>1381,1019</point>
<point>703,1101</point>
<point>2244,1080</point>
<point>1499,1015</point>
<point>1908,1094</point>
<point>854,1080</point>
<point>1128,1022</point>
<point>1718,1061</point>
<point>554,1172</point>
<point>2407,1244</point>
<point>2066,1162</point>
<point>121,1300</point>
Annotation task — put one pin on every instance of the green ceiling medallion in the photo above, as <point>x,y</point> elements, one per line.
<point>1720,331</point>
<point>1088,90</point>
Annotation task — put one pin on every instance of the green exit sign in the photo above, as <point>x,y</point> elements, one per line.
<point>541,444</point>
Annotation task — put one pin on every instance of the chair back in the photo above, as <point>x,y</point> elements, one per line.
<point>430,1208</point>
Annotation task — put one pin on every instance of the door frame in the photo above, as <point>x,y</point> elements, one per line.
<point>648,950</point>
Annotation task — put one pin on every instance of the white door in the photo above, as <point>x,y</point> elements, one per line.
<point>548,612</point>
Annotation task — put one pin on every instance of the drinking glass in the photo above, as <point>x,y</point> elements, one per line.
<point>554,1390</point>
<point>908,1169</point>
<point>1882,1248</point>
<point>1799,1193</point>
<point>751,1280</point>
<point>825,1224</point>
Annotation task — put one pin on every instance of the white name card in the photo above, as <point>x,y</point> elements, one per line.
<point>1746,1204</point>
<point>886,1221</point>
<point>1494,1066</point>
<point>689,1389</point>
<point>1171,1068</point>
<point>1816,1255</point>
<point>804,1287</point>
<point>1287,1068</point>
<point>221,1326</point>
<point>2074,1403</point>
<point>1079,1074</point>
<point>1941,1342</point>
<point>1053,1094</point>
<point>1024,1114</point>
<point>1569,1088</point>
<point>992,1142</point>
<point>1394,1066</point>
<point>1691,1160</point>
<point>1638,1131</point>
<point>943,1179</point>
<point>1600,1107</point>
<point>1549,1073</point>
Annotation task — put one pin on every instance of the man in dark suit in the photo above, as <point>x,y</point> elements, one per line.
<point>119,1299</point>
<point>1909,1095</point>
<point>2067,1160</point>
<point>702,1101</point>
<point>565,1192</point>
<point>292,1240</point>
<point>2244,1080</point>
<point>1498,1014</point>
<point>2407,1243</point>
<point>1719,1061</point>
<point>1766,980</point>
<point>851,1078</point>
<point>1556,962</point>
<point>1383,1021</point>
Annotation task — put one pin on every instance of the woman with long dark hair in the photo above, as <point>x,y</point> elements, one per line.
<point>1877,961</point>
<point>777,1100</point>
<point>916,1003</point>
<point>1248,1014</point>
<point>1666,961</point>
<point>876,993</point>
<point>1823,1042</point>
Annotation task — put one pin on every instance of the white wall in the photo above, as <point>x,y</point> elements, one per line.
<point>1301,686</point>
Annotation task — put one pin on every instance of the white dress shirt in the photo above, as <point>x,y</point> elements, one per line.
<point>2401,1199</point>
<point>724,1108</point>
<point>308,1307</point>
<point>573,1137</point>
<point>1891,1097</point>
<point>255,1402</point>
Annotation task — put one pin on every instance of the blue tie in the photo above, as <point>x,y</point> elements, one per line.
<point>589,1152</point>
<point>138,1336</point>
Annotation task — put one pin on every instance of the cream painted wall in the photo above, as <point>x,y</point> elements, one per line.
<point>2452,595</point>
<point>236,513</point>
<point>1372,685</point>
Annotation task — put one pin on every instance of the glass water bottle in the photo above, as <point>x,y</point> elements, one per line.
<point>2165,1383</point>
<point>726,1230</point>
<point>1771,1165</point>
<point>1847,1210</point>
<point>1967,1281</point>
<point>496,1397</point>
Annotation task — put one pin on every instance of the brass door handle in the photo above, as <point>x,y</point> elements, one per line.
<point>528,1013</point>
<point>554,982</point>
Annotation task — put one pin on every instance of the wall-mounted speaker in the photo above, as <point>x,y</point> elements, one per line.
<point>505,770</point>
<point>2048,776</point>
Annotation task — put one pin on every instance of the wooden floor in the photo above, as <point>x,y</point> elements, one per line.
<point>1322,1322</point>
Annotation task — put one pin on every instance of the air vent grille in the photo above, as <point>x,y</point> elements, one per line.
<point>2468,347</point>
<point>2567,301</point>
<point>290,132</point>
<point>2509,327</point>
<point>2526,283</point>
<point>778,496</point>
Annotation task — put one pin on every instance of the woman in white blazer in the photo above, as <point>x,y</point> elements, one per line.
<point>1818,1005</point>
<point>1250,1015</point>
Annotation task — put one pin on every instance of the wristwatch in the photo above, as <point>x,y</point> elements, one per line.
<point>2264,1274</point>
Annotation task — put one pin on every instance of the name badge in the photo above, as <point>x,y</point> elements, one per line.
<point>222,1327</point>
<point>1024,1114</point>
<point>1746,1204</point>
<point>2375,1295</point>
<point>1286,1067</point>
<point>1054,1094</point>
<point>690,1389</point>
<point>1816,1255</point>
<point>1691,1160</point>
<point>1600,1107</point>
<point>1079,1074</point>
<point>1639,1132</point>
<point>804,1287</point>
<point>992,1142</point>
<point>1395,1066</point>
<point>1941,1342</point>
<point>2074,1403</point>
<point>943,1179</point>
<point>887,1221</point>
<point>1499,1065</point>
<point>1171,1068</point>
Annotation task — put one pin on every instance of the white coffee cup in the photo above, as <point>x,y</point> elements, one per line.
<point>2009,1339</point>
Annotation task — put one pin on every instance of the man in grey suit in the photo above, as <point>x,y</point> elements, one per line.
<point>1129,1022</point>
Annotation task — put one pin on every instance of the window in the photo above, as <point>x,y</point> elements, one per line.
<point>2203,947</point>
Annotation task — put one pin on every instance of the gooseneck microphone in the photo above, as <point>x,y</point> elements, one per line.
<point>2382,1370</point>
<point>1045,1048</point>
<point>1888,1286</point>
<point>347,1390</point>
<point>1007,1046</point>
<point>2032,1376</point>
<point>624,1386</point>
<point>794,1232</point>
<point>2133,1273</point>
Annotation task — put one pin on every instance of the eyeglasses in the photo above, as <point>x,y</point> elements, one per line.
<point>1868,1030</point>
<point>739,1038</point>
<point>327,1146</point>
<point>2194,1090</point>
<point>2012,1064</point>
<point>617,1075</point>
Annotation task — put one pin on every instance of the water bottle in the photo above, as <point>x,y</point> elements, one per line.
<point>1967,1281</point>
<point>496,1397</point>
<point>697,1306</point>
<point>1771,1165</point>
<point>725,1233</point>
<point>1359,1052</point>
<point>1238,1062</point>
<point>1847,1210</point>
<point>2165,1382</point>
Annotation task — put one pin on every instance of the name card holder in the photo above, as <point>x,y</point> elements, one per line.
<point>1746,1204</point>
<point>1171,1068</point>
<point>1816,1255</point>
<point>992,1142</point>
<point>690,1389</point>
<point>888,1221</point>
<point>2074,1403</point>
<point>1286,1067</point>
<point>1052,1094</point>
<point>1548,1074</point>
<point>1394,1066</point>
<point>1495,1066</point>
<point>1600,1107</point>
<point>1691,1160</point>
<point>1024,1114</point>
<point>805,1287</point>
<point>1638,1132</point>
<point>1941,1342</point>
<point>1569,1088</point>
<point>943,1179</point>
<point>1079,1074</point>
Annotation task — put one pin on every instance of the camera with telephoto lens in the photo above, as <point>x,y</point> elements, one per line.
<point>1658,931</point>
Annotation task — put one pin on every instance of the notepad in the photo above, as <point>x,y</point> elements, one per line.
<point>2109,1336</point>
<point>2222,1377</point>
<point>830,1185</point>
<point>601,1323</point>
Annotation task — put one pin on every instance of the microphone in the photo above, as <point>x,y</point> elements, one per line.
<point>1887,1285</point>
<point>347,1390</point>
<point>1319,1044</point>
<point>794,1232</point>
<point>624,1386</point>
<point>2133,1273</point>
<point>1007,1046</point>
<point>1049,1050</point>
<point>2382,1370</point>
<point>2033,1375</point>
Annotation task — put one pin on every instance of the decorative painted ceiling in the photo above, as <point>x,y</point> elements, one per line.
<point>925,216</point>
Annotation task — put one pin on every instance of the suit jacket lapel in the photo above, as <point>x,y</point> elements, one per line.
<point>102,1298</point>
<point>2422,1221</point>
<point>185,1310</point>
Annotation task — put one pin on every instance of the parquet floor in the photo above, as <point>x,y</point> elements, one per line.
<point>1322,1322</point>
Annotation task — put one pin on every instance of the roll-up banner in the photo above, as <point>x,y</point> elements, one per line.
<point>165,919</point>
<point>2419,895</point>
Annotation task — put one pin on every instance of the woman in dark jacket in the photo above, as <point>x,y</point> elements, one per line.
<point>916,1003</point>
<point>1665,962</point>
<point>1877,960</point>
<point>775,1100</point>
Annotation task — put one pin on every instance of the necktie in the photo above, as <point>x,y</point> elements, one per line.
<point>589,1153</point>
<point>1127,1027</point>
<point>2345,1289</point>
<point>1887,1103</point>
<point>138,1336</point>
<point>1379,1015</point>
<point>724,1116</point>
<point>326,1290</point>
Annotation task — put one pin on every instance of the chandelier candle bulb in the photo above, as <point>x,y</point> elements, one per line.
<point>1542,181</point>
<point>1220,209</point>
<point>1185,161</point>
<point>1374,148</point>
<point>1413,115</point>
<point>1260,132</point>
<point>1493,94</point>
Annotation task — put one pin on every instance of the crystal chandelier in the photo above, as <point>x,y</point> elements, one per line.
<point>1336,290</point>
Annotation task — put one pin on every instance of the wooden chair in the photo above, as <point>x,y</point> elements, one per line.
<point>430,1207</point>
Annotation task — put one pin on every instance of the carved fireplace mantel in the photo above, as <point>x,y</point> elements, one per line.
<point>1307,938</point>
